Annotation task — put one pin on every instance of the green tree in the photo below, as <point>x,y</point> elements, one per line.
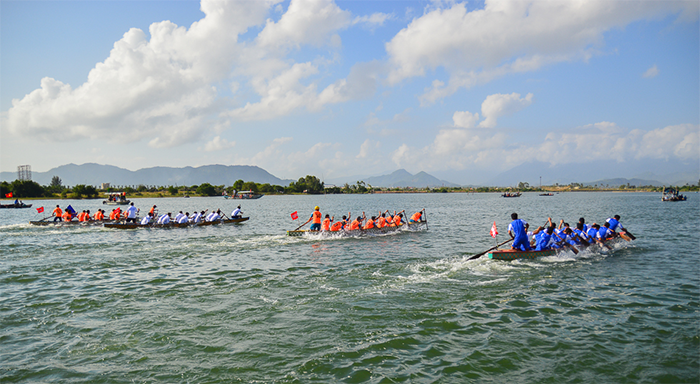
<point>26,188</point>
<point>88,191</point>
<point>172,190</point>
<point>238,185</point>
<point>206,189</point>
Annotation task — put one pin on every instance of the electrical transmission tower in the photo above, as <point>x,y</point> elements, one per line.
<point>24,172</point>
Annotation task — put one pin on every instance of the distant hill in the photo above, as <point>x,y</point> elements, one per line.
<point>402,179</point>
<point>96,174</point>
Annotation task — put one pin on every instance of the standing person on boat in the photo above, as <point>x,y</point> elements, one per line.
<point>517,230</point>
<point>237,213</point>
<point>58,213</point>
<point>131,213</point>
<point>153,210</point>
<point>316,218</point>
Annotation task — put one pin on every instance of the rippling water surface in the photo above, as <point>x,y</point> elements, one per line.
<point>245,303</point>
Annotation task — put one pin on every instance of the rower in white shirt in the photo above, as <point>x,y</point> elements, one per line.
<point>165,219</point>
<point>214,216</point>
<point>196,217</point>
<point>147,220</point>
<point>236,213</point>
<point>178,217</point>
<point>184,219</point>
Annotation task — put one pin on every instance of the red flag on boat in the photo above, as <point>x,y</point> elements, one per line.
<point>8,195</point>
<point>40,209</point>
<point>494,231</point>
<point>294,215</point>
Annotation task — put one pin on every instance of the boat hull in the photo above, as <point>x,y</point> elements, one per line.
<point>15,205</point>
<point>107,202</point>
<point>175,225</point>
<point>69,223</point>
<point>510,254</point>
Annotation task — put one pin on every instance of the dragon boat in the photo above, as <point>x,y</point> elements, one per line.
<point>175,225</point>
<point>410,227</point>
<point>511,254</point>
<point>18,205</point>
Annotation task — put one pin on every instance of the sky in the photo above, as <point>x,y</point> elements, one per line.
<point>463,90</point>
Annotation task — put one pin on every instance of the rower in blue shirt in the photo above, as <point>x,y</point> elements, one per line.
<point>605,233</point>
<point>543,240</point>
<point>518,231</point>
<point>615,223</point>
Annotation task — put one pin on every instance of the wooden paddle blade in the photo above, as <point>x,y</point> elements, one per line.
<point>478,255</point>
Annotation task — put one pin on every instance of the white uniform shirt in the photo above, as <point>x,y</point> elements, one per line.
<point>165,219</point>
<point>131,212</point>
<point>213,216</point>
<point>146,220</point>
<point>183,219</point>
<point>197,218</point>
<point>236,212</point>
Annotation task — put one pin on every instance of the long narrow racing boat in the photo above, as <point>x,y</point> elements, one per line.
<point>511,254</point>
<point>175,225</point>
<point>362,232</point>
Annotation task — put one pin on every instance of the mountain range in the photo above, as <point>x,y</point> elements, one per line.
<point>533,173</point>
<point>96,174</point>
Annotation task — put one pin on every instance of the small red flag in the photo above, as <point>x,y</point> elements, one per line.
<point>40,209</point>
<point>294,215</point>
<point>494,231</point>
<point>8,195</point>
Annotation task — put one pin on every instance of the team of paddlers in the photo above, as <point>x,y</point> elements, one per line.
<point>381,220</point>
<point>130,215</point>
<point>552,237</point>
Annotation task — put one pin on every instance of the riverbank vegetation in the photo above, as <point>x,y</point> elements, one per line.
<point>305,185</point>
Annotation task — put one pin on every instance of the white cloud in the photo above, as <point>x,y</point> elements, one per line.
<point>508,36</point>
<point>651,72</point>
<point>499,105</point>
<point>465,119</point>
<point>218,144</point>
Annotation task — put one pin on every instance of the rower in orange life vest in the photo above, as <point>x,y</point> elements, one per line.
<point>416,217</point>
<point>58,213</point>
<point>316,217</point>
<point>340,224</point>
<point>326,226</point>
<point>66,216</point>
<point>356,223</point>
<point>370,223</point>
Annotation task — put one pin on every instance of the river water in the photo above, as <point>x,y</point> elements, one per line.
<point>245,303</point>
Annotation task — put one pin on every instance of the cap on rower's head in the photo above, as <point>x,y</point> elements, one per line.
<point>316,208</point>
<point>514,216</point>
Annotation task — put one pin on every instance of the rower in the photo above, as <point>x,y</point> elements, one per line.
<point>398,219</point>
<point>165,219</point>
<point>543,238</point>
<point>605,233</point>
<point>337,226</point>
<point>178,217</point>
<point>517,230</point>
<point>415,218</point>
<point>370,223</point>
<point>355,224</point>
<point>326,225</point>
<point>184,219</point>
<point>614,223</point>
<point>147,220</point>
<point>237,213</point>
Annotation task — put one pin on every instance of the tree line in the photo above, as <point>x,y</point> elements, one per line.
<point>305,185</point>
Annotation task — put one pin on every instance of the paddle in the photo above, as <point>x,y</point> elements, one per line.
<point>297,228</point>
<point>478,255</point>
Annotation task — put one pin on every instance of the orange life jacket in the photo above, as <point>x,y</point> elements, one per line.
<point>381,222</point>
<point>317,217</point>
<point>397,220</point>
<point>66,216</point>
<point>416,217</point>
<point>354,225</point>
<point>369,225</point>
<point>337,226</point>
<point>112,215</point>
<point>57,212</point>
<point>326,225</point>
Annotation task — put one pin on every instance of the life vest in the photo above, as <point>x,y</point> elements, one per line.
<point>397,220</point>
<point>326,225</point>
<point>57,212</point>
<point>369,225</point>
<point>354,225</point>
<point>416,217</point>
<point>316,217</point>
<point>337,226</point>
<point>381,222</point>
<point>66,216</point>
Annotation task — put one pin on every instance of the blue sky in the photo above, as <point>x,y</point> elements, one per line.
<point>336,89</point>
